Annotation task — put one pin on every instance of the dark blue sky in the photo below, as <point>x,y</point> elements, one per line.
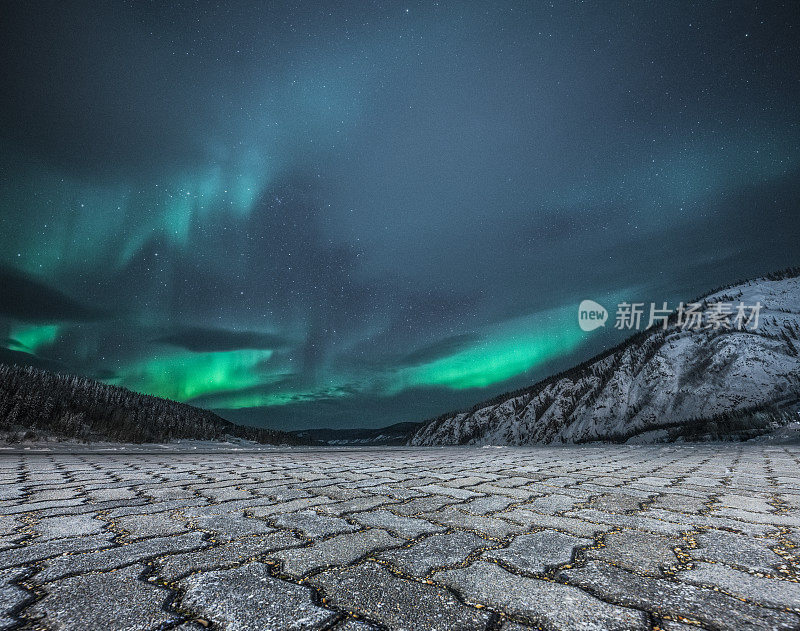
<point>305,215</point>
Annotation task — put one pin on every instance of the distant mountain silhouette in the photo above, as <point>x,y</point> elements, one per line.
<point>397,434</point>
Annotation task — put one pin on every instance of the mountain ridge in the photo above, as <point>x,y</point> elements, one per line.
<point>577,394</point>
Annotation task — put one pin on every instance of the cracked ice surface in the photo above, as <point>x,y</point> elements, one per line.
<point>601,537</point>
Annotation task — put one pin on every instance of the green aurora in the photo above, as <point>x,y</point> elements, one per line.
<point>353,217</point>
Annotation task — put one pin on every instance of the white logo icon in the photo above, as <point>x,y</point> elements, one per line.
<point>591,315</point>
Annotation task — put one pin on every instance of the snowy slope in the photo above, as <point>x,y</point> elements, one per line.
<point>655,386</point>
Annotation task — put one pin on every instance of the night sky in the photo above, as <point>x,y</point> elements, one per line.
<point>313,215</point>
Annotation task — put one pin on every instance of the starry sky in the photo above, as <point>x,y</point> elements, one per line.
<point>354,214</point>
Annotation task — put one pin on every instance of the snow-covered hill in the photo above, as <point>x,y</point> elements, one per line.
<point>677,383</point>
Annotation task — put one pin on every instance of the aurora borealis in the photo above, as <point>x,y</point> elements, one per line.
<point>344,215</point>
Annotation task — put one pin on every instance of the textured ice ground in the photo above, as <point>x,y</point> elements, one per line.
<point>611,537</point>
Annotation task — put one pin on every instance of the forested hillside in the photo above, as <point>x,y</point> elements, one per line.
<point>39,403</point>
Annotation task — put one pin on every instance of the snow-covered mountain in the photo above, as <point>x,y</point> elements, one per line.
<point>679,383</point>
